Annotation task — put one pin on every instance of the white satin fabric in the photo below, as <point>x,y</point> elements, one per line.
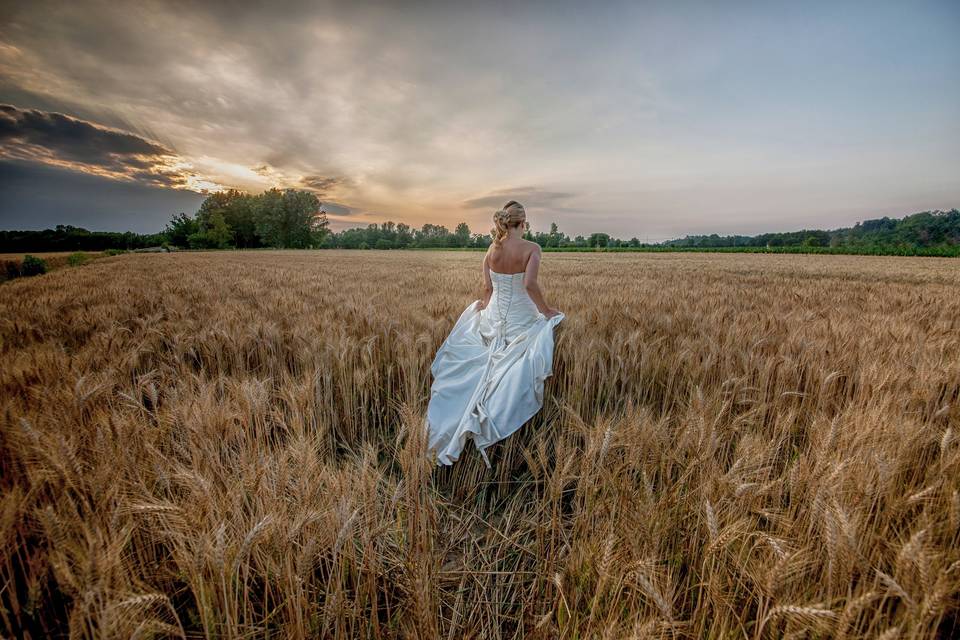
<point>488,374</point>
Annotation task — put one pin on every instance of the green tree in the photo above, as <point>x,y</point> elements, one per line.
<point>553,239</point>
<point>179,230</point>
<point>218,232</point>
<point>238,211</point>
<point>212,233</point>
<point>432,235</point>
<point>481,240</point>
<point>461,234</point>
<point>404,235</point>
<point>289,218</point>
<point>598,240</point>
<point>319,230</point>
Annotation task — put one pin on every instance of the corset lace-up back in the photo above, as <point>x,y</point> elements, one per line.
<point>511,310</point>
<point>489,372</point>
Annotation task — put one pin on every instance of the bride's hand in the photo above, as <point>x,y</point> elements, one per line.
<point>480,305</point>
<point>551,312</point>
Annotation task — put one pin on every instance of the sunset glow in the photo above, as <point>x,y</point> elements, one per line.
<point>636,119</point>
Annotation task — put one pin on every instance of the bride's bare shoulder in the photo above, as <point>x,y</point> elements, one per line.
<point>531,252</point>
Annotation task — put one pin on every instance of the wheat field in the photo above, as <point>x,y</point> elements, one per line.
<point>226,445</point>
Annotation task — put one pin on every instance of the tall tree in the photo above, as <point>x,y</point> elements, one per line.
<point>598,239</point>
<point>289,218</point>
<point>461,234</point>
<point>237,209</point>
<point>553,240</point>
<point>404,235</point>
<point>179,230</point>
<point>218,232</point>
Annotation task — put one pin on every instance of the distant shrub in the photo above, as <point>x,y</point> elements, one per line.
<point>77,259</point>
<point>114,252</point>
<point>11,269</point>
<point>32,266</point>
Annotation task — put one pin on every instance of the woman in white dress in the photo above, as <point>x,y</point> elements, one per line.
<point>488,374</point>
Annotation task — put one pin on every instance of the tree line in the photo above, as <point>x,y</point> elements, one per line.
<point>292,218</point>
<point>924,230</point>
<point>295,219</point>
<point>390,235</point>
<point>278,218</point>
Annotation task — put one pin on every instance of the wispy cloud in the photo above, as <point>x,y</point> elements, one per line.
<point>625,117</point>
<point>528,196</point>
<point>323,185</point>
<point>338,211</point>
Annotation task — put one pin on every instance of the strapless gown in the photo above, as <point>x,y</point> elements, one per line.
<point>488,374</point>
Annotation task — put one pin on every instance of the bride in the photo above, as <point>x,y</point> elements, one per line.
<point>489,372</point>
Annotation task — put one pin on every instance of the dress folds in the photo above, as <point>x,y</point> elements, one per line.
<point>489,373</point>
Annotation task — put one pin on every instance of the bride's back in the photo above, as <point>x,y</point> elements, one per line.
<point>511,256</point>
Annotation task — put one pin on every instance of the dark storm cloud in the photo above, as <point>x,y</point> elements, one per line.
<point>62,140</point>
<point>70,137</point>
<point>528,196</point>
<point>36,196</point>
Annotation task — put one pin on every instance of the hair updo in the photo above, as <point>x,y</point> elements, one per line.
<point>511,215</point>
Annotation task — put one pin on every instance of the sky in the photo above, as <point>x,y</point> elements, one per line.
<point>639,119</point>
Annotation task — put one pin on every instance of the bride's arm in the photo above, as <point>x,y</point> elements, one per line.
<point>487,283</point>
<point>533,287</point>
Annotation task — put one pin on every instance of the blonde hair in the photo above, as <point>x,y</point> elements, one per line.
<point>511,215</point>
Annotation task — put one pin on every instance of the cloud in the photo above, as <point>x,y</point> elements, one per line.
<point>322,185</point>
<point>419,111</point>
<point>60,140</point>
<point>74,138</point>
<point>528,196</point>
<point>338,209</point>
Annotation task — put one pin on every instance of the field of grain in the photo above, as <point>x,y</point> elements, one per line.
<point>225,445</point>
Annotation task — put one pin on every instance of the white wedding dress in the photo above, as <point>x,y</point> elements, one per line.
<point>488,374</point>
